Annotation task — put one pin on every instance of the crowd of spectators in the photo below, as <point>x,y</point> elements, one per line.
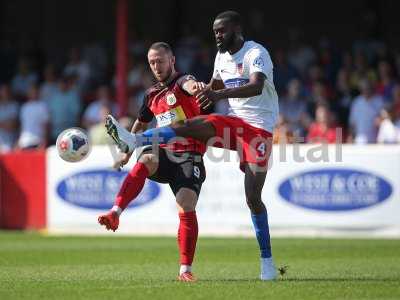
<point>326,94</point>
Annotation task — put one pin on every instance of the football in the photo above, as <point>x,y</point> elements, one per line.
<point>73,144</point>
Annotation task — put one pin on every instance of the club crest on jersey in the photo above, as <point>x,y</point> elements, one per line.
<point>240,68</point>
<point>258,62</point>
<point>171,99</point>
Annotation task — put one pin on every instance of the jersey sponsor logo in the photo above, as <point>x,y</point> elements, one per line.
<point>96,189</point>
<point>335,189</point>
<point>171,116</point>
<point>171,99</point>
<point>258,62</point>
<point>235,82</point>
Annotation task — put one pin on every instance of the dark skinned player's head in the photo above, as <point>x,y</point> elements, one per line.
<point>227,29</point>
<point>161,61</point>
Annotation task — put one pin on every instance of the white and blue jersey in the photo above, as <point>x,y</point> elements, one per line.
<point>234,70</point>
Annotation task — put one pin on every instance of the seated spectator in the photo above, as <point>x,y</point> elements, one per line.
<point>8,119</point>
<point>49,86</point>
<point>64,108</point>
<point>92,114</point>
<point>24,78</point>
<point>294,108</point>
<point>388,133</point>
<point>34,119</point>
<point>363,114</point>
<point>323,129</point>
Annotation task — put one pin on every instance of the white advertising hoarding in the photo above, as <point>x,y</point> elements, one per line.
<point>308,187</point>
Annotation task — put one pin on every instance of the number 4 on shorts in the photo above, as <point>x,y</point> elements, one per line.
<point>261,149</point>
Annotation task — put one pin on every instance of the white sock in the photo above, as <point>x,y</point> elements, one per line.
<point>185,268</point>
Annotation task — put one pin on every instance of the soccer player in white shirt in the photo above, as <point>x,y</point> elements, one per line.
<point>243,73</point>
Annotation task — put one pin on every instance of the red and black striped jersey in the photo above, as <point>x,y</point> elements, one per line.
<point>170,104</point>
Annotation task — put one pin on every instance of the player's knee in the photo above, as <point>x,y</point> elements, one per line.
<point>150,161</point>
<point>186,199</point>
<point>255,204</point>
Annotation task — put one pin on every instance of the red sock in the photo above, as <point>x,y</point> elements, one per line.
<point>187,237</point>
<point>132,185</point>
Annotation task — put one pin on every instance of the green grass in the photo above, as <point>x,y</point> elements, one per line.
<point>38,267</point>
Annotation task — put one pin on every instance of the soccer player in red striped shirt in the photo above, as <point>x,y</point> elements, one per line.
<point>179,163</point>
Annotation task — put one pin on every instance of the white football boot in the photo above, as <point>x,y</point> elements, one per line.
<point>126,141</point>
<point>268,271</point>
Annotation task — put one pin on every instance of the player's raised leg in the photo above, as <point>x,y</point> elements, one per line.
<point>131,187</point>
<point>254,181</point>
<point>198,128</point>
<point>186,200</point>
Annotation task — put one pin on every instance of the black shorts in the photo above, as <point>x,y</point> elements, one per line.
<point>179,170</point>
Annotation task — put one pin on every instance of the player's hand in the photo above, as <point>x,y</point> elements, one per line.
<point>109,220</point>
<point>119,164</point>
<point>206,97</point>
<point>199,86</point>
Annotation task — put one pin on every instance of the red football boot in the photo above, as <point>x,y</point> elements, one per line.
<point>109,220</point>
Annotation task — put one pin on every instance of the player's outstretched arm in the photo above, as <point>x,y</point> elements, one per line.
<point>251,89</point>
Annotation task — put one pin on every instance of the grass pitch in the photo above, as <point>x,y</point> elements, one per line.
<point>38,267</point>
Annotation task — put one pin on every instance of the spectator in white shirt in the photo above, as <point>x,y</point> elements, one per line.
<point>8,119</point>
<point>364,112</point>
<point>388,133</point>
<point>34,118</point>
